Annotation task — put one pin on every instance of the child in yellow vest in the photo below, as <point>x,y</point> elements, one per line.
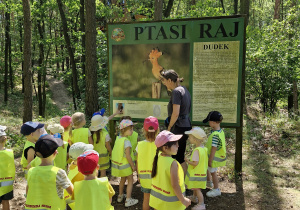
<point>133,138</point>
<point>167,188</point>
<point>80,134</point>
<point>74,175</point>
<point>32,131</point>
<point>7,171</point>
<point>102,142</point>
<point>216,149</point>
<point>61,158</point>
<point>47,182</point>
<point>122,164</point>
<point>195,177</point>
<point>92,193</point>
<point>145,154</point>
<point>66,122</point>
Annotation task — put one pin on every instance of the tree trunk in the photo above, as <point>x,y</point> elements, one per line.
<point>7,28</point>
<point>244,9</point>
<point>21,50</point>
<point>57,55</point>
<point>222,4</point>
<point>277,10</point>
<point>91,100</point>
<point>41,70</point>
<point>168,9</point>
<point>27,115</point>
<point>236,2</point>
<point>71,53</point>
<point>158,9</point>
<point>11,76</point>
<point>62,55</point>
<point>82,29</point>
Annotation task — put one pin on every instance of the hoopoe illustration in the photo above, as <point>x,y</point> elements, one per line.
<point>156,68</point>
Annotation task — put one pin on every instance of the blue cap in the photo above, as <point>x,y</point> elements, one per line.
<point>101,112</point>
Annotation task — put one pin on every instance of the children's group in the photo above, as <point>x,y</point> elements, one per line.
<point>67,168</point>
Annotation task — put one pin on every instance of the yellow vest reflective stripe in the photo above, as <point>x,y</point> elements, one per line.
<point>86,194</point>
<point>60,160</point>
<point>220,155</point>
<point>42,192</point>
<point>133,140</point>
<point>196,175</point>
<point>119,164</point>
<point>162,195</point>
<point>80,135</point>
<point>101,149</point>
<point>24,161</point>
<point>146,154</point>
<point>7,171</point>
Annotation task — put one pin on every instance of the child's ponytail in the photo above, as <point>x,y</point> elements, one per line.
<point>154,167</point>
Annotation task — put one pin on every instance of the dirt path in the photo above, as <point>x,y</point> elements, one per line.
<point>60,95</point>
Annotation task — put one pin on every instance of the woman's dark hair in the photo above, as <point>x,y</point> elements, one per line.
<point>97,135</point>
<point>154,167</point>
<point>171,74</point>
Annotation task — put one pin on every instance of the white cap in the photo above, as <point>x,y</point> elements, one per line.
<point>55,128</point>
<point>2,130</point>
<point>197,132</point>
<point>79,148</point>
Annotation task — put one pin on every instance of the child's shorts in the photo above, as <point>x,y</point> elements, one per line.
<point>7,196</point>
<point>145,190</point>
<point>212,170</point>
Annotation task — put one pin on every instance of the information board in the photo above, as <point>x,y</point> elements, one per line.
<point>206,52</point>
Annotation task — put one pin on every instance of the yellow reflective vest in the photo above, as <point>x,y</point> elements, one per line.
<point>36,162</point>
<point>220,155</point>
<point>101,149</point>
<point>162,196</point>
<point>80,135</point>
<point>7,171</point>
<point>42,192</point>
<point>92,194</point>
<point>68,198</point>
<point>146,154</point>
<point>24,161</point>
<point>134,141</point>
<point>120,166</point>
<point>60,160</point>
<point>196,175</point>
<point>66,136</point>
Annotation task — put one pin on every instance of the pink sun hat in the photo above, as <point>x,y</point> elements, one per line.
<point>151,122</point>
<point>164,137</point>
<point>65,121</point>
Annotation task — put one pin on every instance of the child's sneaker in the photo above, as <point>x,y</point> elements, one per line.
<point>213,193</point>
<point>209,184</point>
<point>130,202</point>
<point>121,197</point>
<point>199,207</point>
<point>193,198</point>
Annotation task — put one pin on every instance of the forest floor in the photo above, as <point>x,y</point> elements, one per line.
<point>271,167</point>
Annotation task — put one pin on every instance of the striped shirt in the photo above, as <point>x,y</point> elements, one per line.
<point>216,141</point>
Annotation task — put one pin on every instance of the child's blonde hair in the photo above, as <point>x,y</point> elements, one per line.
<point>77,119</point>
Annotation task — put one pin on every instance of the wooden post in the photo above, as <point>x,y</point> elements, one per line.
<point>112,131</point>
<point>156,89</point>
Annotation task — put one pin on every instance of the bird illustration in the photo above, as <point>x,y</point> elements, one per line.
<point>156,68</point>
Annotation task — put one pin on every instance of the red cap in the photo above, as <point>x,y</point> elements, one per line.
<point>151,121</point>
<point>65,121</point>
<point>88,162</point>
